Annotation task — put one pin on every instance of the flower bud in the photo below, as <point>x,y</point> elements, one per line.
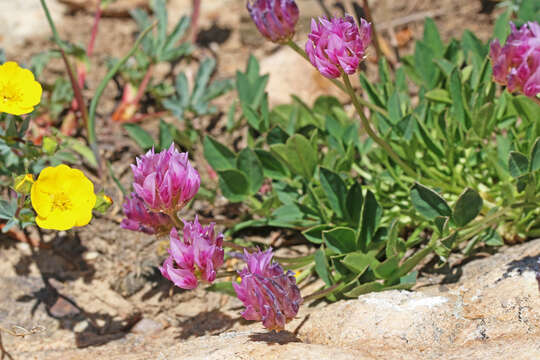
<point>165,181</point>
<point>197,257</point>
<point>268,293</point>
<point>337,46</point>
<point>275,19</point>
<point>23,184</point>
<point>139,218</point>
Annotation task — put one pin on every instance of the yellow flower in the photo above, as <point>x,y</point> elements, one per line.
<point>62,198</point>
<point>19,92</point>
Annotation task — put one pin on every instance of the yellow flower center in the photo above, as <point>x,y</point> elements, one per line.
<point>10,93</point>
<point>61,202</point>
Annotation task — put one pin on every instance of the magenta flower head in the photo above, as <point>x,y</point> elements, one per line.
<point>165,181</point>
<point>139,218</point>
<point>337,46</point>
<point>517,63</point>
<point>275,19</point>
<point>196,257</point>
<point>268,293</point>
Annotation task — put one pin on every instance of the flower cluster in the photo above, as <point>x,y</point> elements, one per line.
<point>268,293</point>
<point>62,198</point>
<point>337,46</point>
<point>275,19</point>
<point>166,181</point>
<point>196,257</point>
<point>19,92</point>
<point>138,218</point>
<point>517,63</point>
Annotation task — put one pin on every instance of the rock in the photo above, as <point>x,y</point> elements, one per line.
<point>16,29</point>
<point>290,74</point>
<point>493,310</point>
<point>147,327</point>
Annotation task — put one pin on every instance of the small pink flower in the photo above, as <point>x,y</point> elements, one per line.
<point>196,257</point>
<point>165,181</point>
<point>337,46</point>
<point>268,293</point>
<point>517,63</point>
<point>275,19</point>
<point>139,218</point>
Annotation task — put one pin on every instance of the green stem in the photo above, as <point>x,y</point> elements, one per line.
<point>92,139</point>
<point>337,83</point>
<point>367,127</point>
<point>74,83</point>
<point>322,293</point>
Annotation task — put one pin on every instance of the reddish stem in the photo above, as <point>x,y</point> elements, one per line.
<point>144,84</point>
<point>76,88</point>
<point>195,18</point>
<point>97,17</point>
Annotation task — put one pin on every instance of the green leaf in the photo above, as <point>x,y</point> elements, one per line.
<point>321,267</point>
<point>371,216</point>
<point>201,80</point>
<point>518,164</point>
<point>315,233</point>
<point>272,167</point>
<point>423,60</point>
<point>428,203</point>
<point>7,209</point>
<point>394,108</point>
<point>458,109</point>
<point>467,207</point>
<point>248,162</point>
<point>354,203</point>
<point>218,156</point>
<point>160,11</point>
<point>233,184</point>
<point>535,155</point>
<point>165,135</point>
<point>298,154</point>
<point>502,27</point>
<point>526,108</point>
<point>340,239</point>
<point>176,34</point>
<point>387,268</point>
<point>439,95</point>
<point>335,190</point>
<point>364,289</point>
<point>432,37</point>
<point>224,287</point>
<point>358,262</point>
<point>141,137</point>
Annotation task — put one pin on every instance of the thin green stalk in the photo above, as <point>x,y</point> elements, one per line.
<point>92,139</point>
<point>371,132</point>
<point>337,83</point>
<point>74,84</point>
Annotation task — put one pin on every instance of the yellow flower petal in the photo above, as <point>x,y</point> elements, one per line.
<point>62,197</point>
<point>19,92</point>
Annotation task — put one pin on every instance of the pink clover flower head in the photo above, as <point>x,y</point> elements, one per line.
<point>196,257</point>
<point>166,181</point>
<point>275,19</point>
<point>139,218</point>
<point>517,63</point>
<point>337,46</point>
<point>268,293</point>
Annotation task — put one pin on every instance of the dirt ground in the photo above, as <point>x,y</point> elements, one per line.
<point>94,285</point>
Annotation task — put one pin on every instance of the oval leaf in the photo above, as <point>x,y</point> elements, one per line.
<point>428,203</point>
<point>518,164</point>
<point>467,207</point>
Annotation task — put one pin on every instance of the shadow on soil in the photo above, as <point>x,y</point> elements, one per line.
<point>205,323</point>
<point>62,262</point>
